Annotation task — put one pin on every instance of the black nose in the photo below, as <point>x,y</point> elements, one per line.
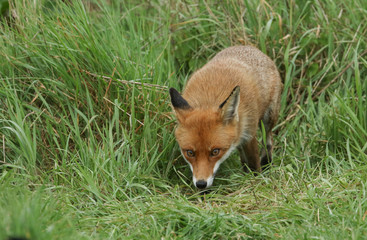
<point>201,184</point>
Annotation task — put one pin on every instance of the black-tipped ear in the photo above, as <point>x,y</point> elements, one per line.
<point>229,107</point>
<point>178,102</point>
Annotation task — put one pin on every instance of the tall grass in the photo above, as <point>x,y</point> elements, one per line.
<point>86,137</point>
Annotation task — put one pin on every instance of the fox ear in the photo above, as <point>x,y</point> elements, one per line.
<point>229,107</point>
<point>178,102</point>
<point>180,105</point>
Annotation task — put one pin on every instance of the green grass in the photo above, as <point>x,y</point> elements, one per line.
<point>86,135</point>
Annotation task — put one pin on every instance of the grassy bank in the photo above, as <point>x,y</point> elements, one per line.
<point>86,135</point>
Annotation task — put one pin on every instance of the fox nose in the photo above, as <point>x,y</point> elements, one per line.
<point>201,184</point>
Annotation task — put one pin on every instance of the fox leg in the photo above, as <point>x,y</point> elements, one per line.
<point>243,157</point>
<point>266,153</point>
<point>269,121</point>
<point>249,154</point>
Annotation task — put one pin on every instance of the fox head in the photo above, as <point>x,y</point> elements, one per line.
<point>206,136</point>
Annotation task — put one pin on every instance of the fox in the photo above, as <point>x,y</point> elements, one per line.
<point>220,109</point>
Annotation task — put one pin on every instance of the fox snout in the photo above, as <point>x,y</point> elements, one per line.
<point>203,183</point>
<point>200,181</point>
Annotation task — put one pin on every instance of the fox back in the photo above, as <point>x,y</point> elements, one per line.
<point>221,107</point>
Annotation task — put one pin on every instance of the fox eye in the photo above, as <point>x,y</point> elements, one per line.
<point>215,152</point>
<point>190,153</point>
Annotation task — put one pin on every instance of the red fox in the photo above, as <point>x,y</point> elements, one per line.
<point>220,109</point>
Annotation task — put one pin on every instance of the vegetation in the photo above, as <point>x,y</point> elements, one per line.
<point>86,134</point>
